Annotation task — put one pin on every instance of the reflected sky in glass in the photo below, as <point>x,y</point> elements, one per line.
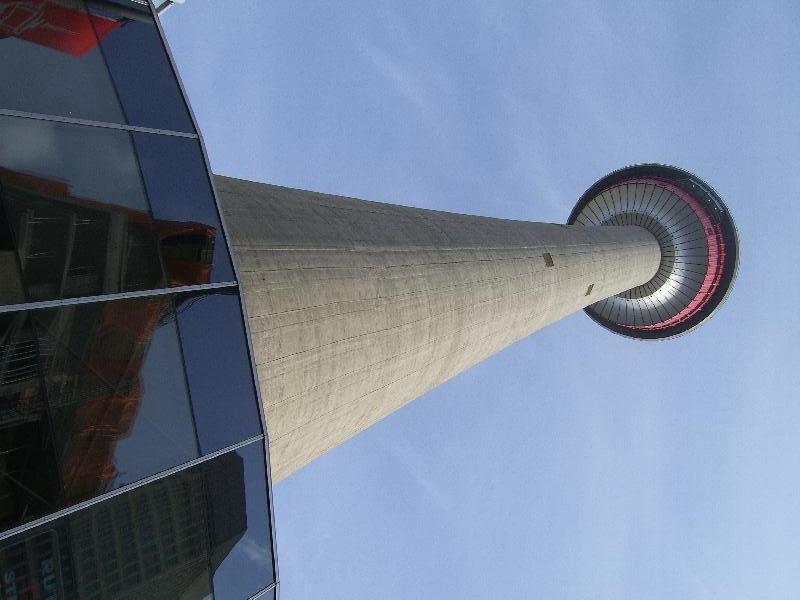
<point>248,566</point>
<point>97,164</point>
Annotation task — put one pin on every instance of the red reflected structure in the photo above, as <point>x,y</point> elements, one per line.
<point>54,25</point>
<point>112,365</point>
<point>121,249</point>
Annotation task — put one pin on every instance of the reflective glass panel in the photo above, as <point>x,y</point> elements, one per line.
<point>165,540</point>
<point>51,63</point>
<point>107,64</point>
<point>180,192</point>
<point>140,68</point>
<point>93,397</point>
<point>75,219</point>
<point>247,565</point>
<point>218,368</point>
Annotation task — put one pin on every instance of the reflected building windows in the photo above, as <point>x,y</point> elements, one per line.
<point>76,219</point>
<point>164,540</point>
<point>96,396</point>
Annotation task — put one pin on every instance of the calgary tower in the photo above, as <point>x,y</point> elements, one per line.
<point>356,308</point>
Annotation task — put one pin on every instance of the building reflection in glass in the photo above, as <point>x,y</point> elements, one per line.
<point>164,540</point>
<point>72,383</point>
<point>57,245</point>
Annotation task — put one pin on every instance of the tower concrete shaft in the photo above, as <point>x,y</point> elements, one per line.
<point>356,308</point>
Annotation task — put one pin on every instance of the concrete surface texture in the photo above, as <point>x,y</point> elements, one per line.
<point>356,308</point>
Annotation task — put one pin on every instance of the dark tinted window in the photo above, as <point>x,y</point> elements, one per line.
<point>247,566</point>
<point>218,366</point>
<point>162,540</point>
<point>75,218</point>
<point>91,163</point>
<point>51,62</point>
<point>105,65</point>
<point>93,397</point>
<point>180,192</point>
<point>140,68</point>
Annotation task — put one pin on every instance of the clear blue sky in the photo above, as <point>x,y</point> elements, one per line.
<point>575,464</point>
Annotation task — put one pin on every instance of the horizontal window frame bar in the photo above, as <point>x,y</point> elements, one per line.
<point>90,123</point>
<point>4,535</point>
<point>8,308</point>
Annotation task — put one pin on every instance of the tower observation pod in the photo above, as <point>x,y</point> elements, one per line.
<point>697,239</point>
<point>355,308</point>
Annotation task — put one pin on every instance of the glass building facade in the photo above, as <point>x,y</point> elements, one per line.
<point>133,456</point>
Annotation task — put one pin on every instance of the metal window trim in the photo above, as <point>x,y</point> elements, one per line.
<point>21,114</point>
<point>56,303</point>
<point>223,225</point>
<point>266,590</point>
<point>124,489</point>
<point>164,7</point>
<point>193,409</point>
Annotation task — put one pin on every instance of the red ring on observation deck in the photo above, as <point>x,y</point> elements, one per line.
<point>716,255</point>
<point>698,241</point>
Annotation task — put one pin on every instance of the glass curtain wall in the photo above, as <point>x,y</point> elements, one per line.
<point>132,448</point>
